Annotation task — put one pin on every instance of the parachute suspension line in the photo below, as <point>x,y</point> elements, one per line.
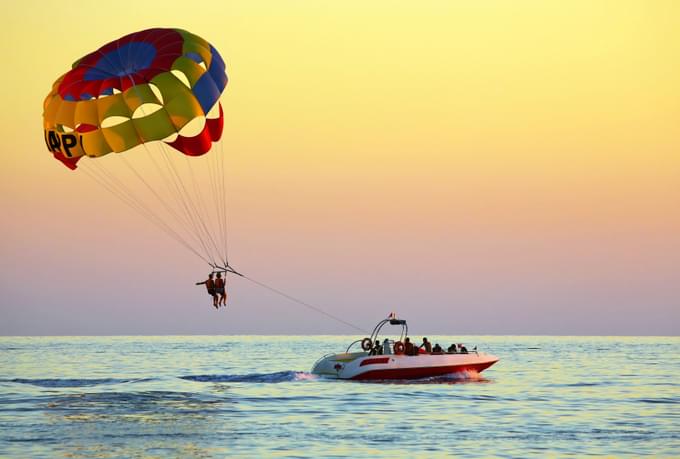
<point>100,178</point>
<point>106,183</point>
<point>184,200</point>
<point>96,177</point>
<point>189,226</point>
<point>216,175</point>
<point>172,179</point>
<point>300,302</point>
<point>138,204</point>
<point>181,223</point>
<point>200,223</point>
<point>201,207</point>
<point>213,176</point>
<point>171,183</point>
<point>224,203</point>
<point>187,203</point>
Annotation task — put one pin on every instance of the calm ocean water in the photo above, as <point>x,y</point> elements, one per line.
<point>216,396</point>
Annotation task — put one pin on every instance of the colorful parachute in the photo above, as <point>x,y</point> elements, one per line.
<point>135,96</point>
<point>145,86</point>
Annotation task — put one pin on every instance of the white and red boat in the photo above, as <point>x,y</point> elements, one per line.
<point>390,361</point>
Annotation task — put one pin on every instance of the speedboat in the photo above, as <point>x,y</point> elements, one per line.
<point>391,359</point>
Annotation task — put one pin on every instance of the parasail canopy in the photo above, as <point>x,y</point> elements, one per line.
<point>135,96</point>
<point>146,86</point>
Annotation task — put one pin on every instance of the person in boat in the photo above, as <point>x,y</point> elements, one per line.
<point>409,348</point>
<point>210,286</point>
<point>463,349</point>
<point>386,347</point>
<point>453,349</point>
<point>427,345</point>
<point>219,290</point>
<point>437,349</point>
<point>377,349</point>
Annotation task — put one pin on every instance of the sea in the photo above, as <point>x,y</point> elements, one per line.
<point>254,396</point>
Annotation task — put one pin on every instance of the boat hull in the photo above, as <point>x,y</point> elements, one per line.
<point>360,366</point>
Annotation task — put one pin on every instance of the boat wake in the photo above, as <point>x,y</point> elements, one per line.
<point>462,377</point>
<point>469,376</point>
<point>71,382</point>
<point>278,377</point>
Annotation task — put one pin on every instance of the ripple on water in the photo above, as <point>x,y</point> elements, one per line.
<point>221,396</point>
<point>71,382</point>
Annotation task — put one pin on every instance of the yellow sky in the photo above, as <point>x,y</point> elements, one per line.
<point>526,133</point>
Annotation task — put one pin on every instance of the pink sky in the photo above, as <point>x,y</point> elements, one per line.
<point>477,169</point>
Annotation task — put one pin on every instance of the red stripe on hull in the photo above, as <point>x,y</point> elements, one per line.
<point>374,361</point>
<point>423,372</point>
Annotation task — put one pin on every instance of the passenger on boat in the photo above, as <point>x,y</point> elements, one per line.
<point>409,348</point>
<point>453,349</point>
<point>463,349</point>
<point>437,349</point>
<point>427,345</point>
<point>386,347</point>
<point>377,349</point>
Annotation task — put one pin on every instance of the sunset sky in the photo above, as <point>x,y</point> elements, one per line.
<point>481,167</point>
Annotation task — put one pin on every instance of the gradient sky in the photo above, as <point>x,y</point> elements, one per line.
<point>500,167</point>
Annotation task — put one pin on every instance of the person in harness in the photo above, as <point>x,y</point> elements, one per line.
<point>220,290</point>
<point>210,286</point>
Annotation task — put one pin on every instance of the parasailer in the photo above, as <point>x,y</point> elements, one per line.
<point>220,290</point>
<point>135,96</point>
<point>210,287</point>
